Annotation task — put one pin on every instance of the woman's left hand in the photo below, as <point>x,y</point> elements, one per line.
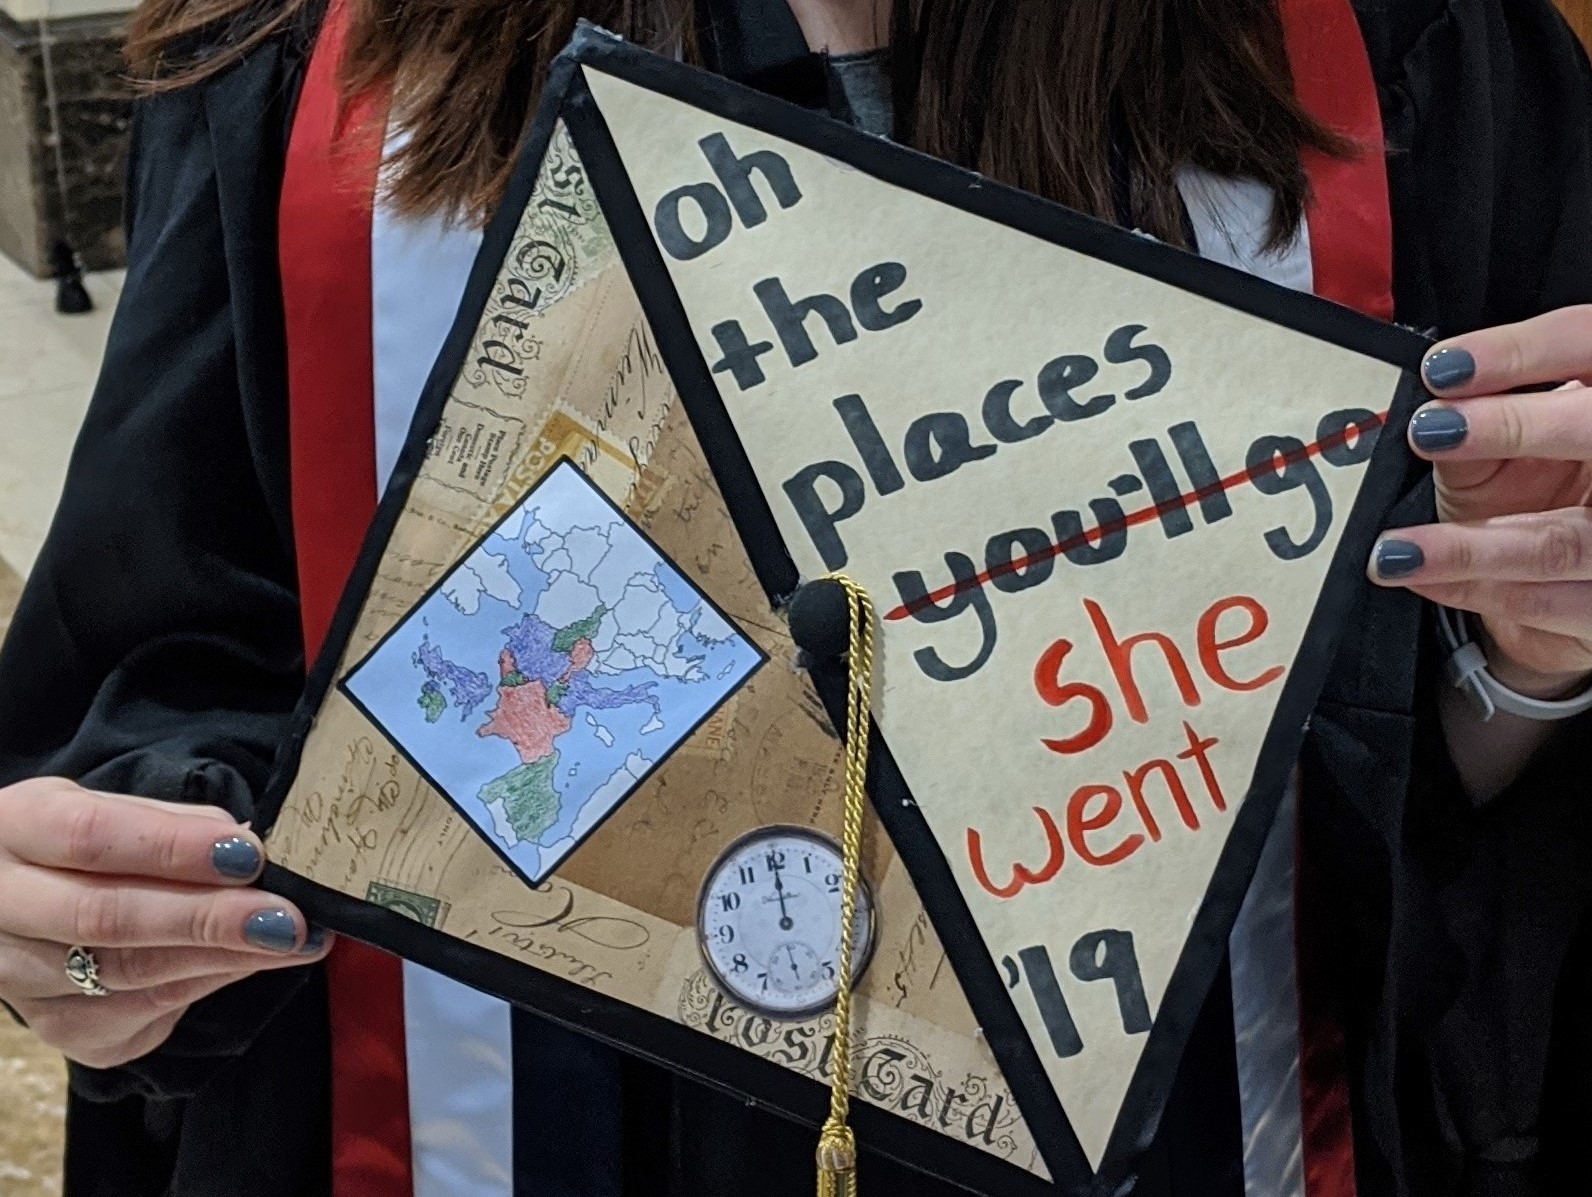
<point>1514,497</point>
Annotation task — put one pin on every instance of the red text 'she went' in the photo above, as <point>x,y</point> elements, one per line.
<point>1089,821</point>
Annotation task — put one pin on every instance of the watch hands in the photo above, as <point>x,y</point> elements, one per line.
<point>785,921</point>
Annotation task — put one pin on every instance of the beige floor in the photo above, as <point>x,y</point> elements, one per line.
<point>47,367</point>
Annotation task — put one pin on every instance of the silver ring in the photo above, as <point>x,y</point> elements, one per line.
<point>83,971</point>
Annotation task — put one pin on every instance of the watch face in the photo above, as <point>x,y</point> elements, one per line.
<point>769,921</point>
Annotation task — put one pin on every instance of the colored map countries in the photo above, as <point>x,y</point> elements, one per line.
<point>551,671</point>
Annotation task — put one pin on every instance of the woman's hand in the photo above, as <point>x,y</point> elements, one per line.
<point>1514,494</point>
<point>1514,545</point>
<point>160,893</point>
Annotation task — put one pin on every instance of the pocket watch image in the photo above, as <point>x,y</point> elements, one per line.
<point>768,921</point>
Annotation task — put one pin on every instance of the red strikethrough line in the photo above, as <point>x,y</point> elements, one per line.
<point>1142,516</point>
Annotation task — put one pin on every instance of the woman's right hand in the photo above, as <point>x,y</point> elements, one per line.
<point>160,893</point>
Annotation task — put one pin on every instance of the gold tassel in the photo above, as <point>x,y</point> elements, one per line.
<point>837,1146</point>
<point>837,1162</point>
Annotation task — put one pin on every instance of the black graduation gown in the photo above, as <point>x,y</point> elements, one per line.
<point>157,651</point>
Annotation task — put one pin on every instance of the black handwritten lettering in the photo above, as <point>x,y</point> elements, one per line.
<point>870,444</point>
<point>967,595</point>
<point>1105,539</point>
<point>1057,380</point>
<point>1018,559</point>
<point>998,417</point>
<point>789,318</point>
<point>1053,1010</point>
<point>872,285</point>
<point>713,213</point>
<point>818,517</point>
<point>605,931</point>
<point>941,443</point>
<point>1164,488</point>
<point>735,173</point>
<point>1120,350</point>
<point>1109,955</point>
<point>1277,465</point>
<point>1348,437</point>
<point>739,356</point>
<point>1201,471</point>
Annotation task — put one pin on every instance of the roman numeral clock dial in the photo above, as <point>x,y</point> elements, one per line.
<point>768,921</point>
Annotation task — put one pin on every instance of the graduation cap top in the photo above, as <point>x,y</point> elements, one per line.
<point>1112,503</point>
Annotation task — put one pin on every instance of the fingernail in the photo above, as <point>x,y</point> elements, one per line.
<point>1434,429</point>
<point>314,941</point>
<point>1449,367</point>
<point>273,930</point>
<point>236,857</point>
<point>1398,558</point>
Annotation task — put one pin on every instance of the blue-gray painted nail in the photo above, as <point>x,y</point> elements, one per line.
<point>236,857</point>
<point>1433,429</point>
<point>273,930</point>
<point>1449,368</point>
<point>1398,558</point>
<point>314,941</point>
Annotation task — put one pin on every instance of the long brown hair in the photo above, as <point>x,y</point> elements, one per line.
<point>1040,94</point>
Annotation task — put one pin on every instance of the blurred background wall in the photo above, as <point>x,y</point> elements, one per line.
<point>75,100</point>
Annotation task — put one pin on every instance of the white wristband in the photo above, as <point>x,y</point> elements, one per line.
<point>1467,671</point>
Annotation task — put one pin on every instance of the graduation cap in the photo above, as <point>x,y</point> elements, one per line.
<point>1112,504</point>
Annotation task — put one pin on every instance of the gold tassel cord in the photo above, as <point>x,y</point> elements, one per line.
<point>837,1146</point>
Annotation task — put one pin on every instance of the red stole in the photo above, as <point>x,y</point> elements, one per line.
<point>328,190</point>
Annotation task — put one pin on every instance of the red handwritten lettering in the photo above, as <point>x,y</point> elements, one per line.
<point>1174,786</point>
<point>1080,822</point>
<point>1212,648</point>
<point>1199,750</point>
<point>1094,808</point>
<point>1022,876</point>
<point>1119,655</point>
<point>1047,682</point>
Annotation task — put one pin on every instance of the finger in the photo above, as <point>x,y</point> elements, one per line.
<point>107,1031</point>
<point>1545,425</point>
<point>1548,349</point>
<point>187,810</point>
<point>84,831</point>
<point>137,1046</point>
<point>1552,546</point>
<point>55,785</point>
<point>34,970</point>
<point>103,912</point>
<point>1563,608</point>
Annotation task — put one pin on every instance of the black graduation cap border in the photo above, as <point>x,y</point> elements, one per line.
<point>688,1051</point>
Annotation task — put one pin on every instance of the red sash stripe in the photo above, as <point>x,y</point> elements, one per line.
<point>333,158</point>
<point>1350,218</point>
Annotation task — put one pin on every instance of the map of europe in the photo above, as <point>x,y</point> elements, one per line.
<point>552,670</point>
